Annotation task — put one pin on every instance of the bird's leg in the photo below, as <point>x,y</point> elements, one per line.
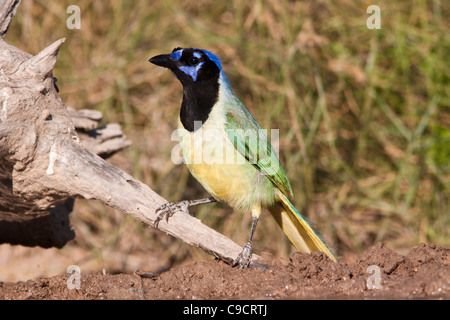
<point>167,210</point>
<point>243,259</point>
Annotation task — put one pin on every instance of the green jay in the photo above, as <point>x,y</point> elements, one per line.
<point>229,154</point>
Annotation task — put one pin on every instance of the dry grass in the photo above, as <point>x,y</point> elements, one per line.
<point>363,114</point>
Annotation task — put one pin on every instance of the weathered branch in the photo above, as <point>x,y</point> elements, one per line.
<point>7,11</point>
<point>43,160</point>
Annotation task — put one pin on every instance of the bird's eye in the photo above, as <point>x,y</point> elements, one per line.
<point>193,61</point>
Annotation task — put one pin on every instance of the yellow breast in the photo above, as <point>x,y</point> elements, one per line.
<point>220,168</point>
<point>216,164</point>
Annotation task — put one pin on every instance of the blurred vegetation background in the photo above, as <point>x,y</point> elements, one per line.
<point>363,114</point>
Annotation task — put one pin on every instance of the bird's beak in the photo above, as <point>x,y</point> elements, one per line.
<point>164,60</point>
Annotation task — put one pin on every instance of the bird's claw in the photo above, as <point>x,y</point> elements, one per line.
<point>243,259</point>
<point>167,210</point>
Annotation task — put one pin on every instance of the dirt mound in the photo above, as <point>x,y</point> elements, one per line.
<point>424,273</point>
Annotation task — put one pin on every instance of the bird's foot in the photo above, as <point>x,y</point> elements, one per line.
<point>167,210</point>
<point>243,259</point>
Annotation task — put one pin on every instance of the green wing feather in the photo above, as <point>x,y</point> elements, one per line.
<point>250,140</point>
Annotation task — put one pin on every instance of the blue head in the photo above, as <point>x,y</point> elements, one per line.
<point>190,65</point>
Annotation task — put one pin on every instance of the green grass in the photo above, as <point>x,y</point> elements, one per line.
<point>363,114</point>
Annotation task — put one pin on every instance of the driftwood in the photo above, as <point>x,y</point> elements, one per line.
<point>45,162</point>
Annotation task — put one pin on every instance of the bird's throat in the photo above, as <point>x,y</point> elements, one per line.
<point>198,101</point>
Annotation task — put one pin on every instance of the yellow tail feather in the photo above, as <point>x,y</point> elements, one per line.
<point>297,228</point>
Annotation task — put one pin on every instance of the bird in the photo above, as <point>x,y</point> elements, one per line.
<point>226,150</point>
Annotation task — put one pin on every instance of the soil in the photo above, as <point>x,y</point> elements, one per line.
<point>424,273</point>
